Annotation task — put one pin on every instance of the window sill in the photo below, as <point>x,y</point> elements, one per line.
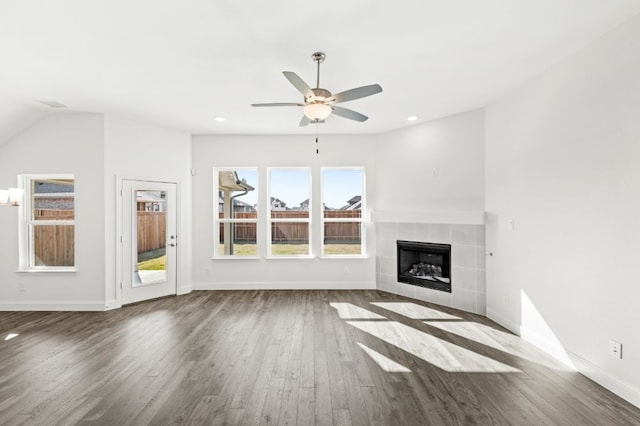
<point>309,257</point>
<point>46,270</point>
<point>235,258</point>
<point>344,257</point>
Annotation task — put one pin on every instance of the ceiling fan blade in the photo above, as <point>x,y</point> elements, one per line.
<point>305,121</point>
<point>357,93</point>
<point>350,114</point>
<point>298,83</point>
<point>277,104</point>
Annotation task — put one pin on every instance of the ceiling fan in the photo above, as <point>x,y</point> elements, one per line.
<point>319,103</point>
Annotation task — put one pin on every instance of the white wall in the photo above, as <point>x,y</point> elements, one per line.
<point>563,156</point>
<point>70,143</point>
<point>438,165</point>
<point>271,151</point>
<point>138,150</point>
<point>430,187</point>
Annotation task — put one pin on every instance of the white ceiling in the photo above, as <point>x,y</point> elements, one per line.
<point>181,63</point>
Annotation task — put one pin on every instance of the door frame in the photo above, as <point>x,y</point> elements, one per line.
<point>119,231</point>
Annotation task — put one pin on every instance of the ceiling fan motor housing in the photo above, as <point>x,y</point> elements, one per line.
<point>323,94</point>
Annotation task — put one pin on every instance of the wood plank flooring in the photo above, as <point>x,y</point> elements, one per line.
<point>285,358</point>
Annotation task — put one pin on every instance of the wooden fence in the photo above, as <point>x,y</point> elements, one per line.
<point>152,231</point>
<point>54,245</point>
<point>298,232</point>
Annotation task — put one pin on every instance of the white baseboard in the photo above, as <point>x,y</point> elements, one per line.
<point>621,388</point>
<point>53,306</point>
<point>184,290</point>
<point>294,285</point>
<point>550,346</point>
<point>594,372</point>
<point>509,325</point>
<point>112,304</point>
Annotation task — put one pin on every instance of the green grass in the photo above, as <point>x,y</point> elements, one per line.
<point>155,264</point>
<point>350,249</point>
<point>294,249</point>
<point>289,249</point>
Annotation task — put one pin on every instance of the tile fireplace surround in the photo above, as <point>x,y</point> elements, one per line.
<point>467,262</point>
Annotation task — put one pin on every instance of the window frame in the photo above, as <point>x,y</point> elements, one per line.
<point>308,220</point>
<point>217,221</point>
<point>361,220</point>
<point>26,253</point>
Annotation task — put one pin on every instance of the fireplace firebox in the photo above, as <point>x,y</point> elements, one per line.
<point>425,264</point>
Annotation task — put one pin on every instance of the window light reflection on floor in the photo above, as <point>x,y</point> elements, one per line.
<point>387,364</point>
<point>11,336</point>
<point>493,338</point>
<point>351,311</point>
<point>444,355</point>
<point>415,311</point>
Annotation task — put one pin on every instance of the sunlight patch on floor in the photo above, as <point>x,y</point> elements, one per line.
<point>11,336</point>
<point>493,338</point>
<point>442,354</point>
<point>351,311</point>
<point>387,364</point>
<point>414,311</point>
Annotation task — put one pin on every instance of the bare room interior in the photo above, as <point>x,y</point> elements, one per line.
<point>347,213</point>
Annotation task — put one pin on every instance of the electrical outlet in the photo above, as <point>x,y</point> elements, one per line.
<point>505,300</point>
<point>21,287</point>
<point>346,270</point>
<point>511,224</point>
<point>615,349</point>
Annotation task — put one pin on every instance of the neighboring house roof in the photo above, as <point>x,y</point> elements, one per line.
<point>236,203</point>
<point>355,203</point>
<point>51,187</point>
<point>150,197</point>
<point>278,203</point>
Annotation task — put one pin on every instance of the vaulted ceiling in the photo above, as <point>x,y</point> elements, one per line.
<point>179,64</point>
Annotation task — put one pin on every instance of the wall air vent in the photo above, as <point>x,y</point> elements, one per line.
<point>53,104</point>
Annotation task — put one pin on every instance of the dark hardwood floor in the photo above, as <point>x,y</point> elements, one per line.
<point>286,357</point>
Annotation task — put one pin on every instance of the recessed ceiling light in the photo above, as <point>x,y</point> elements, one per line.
<point>220,119</point>
<point>412,117</point>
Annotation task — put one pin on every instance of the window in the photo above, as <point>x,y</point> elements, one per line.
<point>48,219</point>
<point>236,207</point>
<point>342,211</point>
<point>289,212</point>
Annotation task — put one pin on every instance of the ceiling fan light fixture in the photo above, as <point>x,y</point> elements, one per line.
<point>317,111</point>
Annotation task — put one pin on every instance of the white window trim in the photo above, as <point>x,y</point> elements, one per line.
<point>308,220</point>
<point>25,252</point>
<point>363,243</point>
<point>217,221</point>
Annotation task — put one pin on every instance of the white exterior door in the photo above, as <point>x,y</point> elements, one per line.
<point>149,240</point>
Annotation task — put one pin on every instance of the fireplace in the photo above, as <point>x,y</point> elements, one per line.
<point>425,264</point>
